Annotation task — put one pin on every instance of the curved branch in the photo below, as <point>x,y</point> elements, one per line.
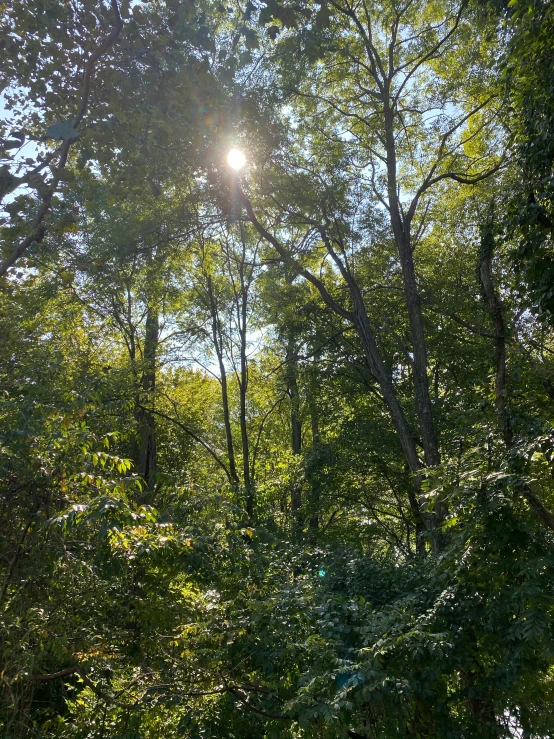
<point>78,670</point>
<point>244,700</point>
<point>260,431</point>
<point>280,249</point>
<point>194,436</point>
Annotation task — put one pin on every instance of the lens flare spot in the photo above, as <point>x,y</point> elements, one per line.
<point>236,159</point>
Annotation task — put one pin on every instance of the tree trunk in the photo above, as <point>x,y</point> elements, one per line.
<point>406,438</point>
<point>494,304</point>
<point>360,320</point>
<point>296,427</point>
<point>243,388</point>
<point>146,461</point>
<point>315,494</point>
<point>240,297</point>
<point>217,340</point>
<point>479,694</point>
<point>382,376</point>
<point>401,231</point>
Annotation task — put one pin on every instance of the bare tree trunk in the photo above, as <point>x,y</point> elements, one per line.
<point>295,425</point>
<point>144,379</point>
<point>314,482</point>
<point>146,462</point>
<point>422,523</point>
<point>494,304</point>
<point>401,231</point>
<point>243,388</point>
<point>240,298</point>
<point>218,346</point>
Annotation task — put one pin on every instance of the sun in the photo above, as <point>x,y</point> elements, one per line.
<point>236,159</point>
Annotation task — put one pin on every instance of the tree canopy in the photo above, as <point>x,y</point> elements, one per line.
<point>276,369</point>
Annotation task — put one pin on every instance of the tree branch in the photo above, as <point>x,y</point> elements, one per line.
<point>280,249</point>
<point>78,670</point>
<point>194,436</point>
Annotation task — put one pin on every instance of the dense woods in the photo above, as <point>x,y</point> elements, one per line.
<point>277,369</point>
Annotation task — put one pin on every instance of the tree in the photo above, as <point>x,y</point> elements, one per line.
<point>274,442</point>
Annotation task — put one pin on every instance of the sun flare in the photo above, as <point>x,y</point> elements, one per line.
<point>236,159</point>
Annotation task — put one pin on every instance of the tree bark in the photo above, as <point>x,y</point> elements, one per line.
<point>315,494</point>
<point>422,522</point>
<point>218,347</point>
<point>401,231</point>
<point>291,365</point>
<point>243,389</point>
<point>494,304</point>
<point>240,297</point>
<point>146,462</point>
<point>382,376</point>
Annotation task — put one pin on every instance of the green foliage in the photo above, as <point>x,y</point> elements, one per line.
<point>209,525</point>
<point>528,74</point>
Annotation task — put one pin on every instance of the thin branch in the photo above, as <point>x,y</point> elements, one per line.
<point>280,249</point>
<point>244,699</point>
<point>465,324</point>
<point>458,177</point>
<point>78,670</point>
<point>194,436</point>
<point>259,435</point>
<point>428,55</point>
